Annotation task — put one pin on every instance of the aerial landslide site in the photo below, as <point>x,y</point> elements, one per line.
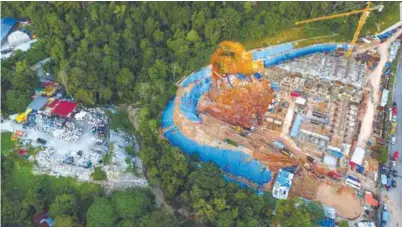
<point>283,119</point>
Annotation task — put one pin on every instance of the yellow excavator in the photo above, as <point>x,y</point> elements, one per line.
<point>365,13</point>
<point>22,117</point>
<point>232,58</point>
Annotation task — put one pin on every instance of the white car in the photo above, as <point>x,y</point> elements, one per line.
<point>394,118</point>
<point>393,140</point>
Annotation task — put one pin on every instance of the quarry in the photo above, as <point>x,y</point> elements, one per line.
<point>286,120</point>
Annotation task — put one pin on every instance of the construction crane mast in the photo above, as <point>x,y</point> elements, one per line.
<point>365,13</point>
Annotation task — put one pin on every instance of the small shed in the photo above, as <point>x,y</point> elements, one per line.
<point>18,37</point>
<point>38,103</point>
<point>301,101</point>
<point>65,108</point>
<point>330,160</point>
<point>369,199</point>
<point>358,155</point>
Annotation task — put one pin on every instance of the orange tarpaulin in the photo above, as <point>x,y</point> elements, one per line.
<point>19,133</point>
<point>368,198</point>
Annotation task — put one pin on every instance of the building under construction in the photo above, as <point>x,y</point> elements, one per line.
<point>235,116</point>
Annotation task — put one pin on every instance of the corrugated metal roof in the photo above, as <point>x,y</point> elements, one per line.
<point>296,126</point>
<point>38,103</point>
<point>7,25</point>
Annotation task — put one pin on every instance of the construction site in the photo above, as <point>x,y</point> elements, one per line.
<point>71,140</point>
<point>287,120</point>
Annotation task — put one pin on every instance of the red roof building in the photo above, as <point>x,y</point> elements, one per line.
<point>53,104</point>
<point>369,199</point>
<point>64,108</point>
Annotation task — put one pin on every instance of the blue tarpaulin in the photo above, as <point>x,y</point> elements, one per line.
<point>269,51</point>
<point>7,25</point>
<point>359,168</point>
<point>37,103</point>
<point>302,52</point>
<point>275,86</point>
<point>233,161</point>
<point>189,101</point>
<point>327,222</point>
<point>167,116</point>
<point>241,184</point>
<point>257,75</point>
<point>296,126</point>
<point>336,154</point>
<point>199,75</point>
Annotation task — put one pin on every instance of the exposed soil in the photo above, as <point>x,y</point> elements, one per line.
<point>304,185</point>
<point>342,198</point>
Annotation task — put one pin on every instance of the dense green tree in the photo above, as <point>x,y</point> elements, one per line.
<point>101,214</point>
<point>65,221</point>
<point>287,215</point>
<point>158,218</point>
<point>39,196</point>
<point>132,204</point>
<point>63,204</point>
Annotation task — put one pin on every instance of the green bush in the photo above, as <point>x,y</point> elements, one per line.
<point>99,174</point>
<point>130,150</point>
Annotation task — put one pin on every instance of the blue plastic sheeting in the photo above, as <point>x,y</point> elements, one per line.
<point>234,162</point>
<point>282,179</point>
<point>167,115</point>
<point>199,75</point>
<point>290,169</point>
<point>241,184</point>
<point>302,52</point>
<point>7,25</point>
<point>37,103</point>
<point>359,168</point>
<point>240,76</point>
<point>268,51</point>
<point>296,126</point>
<point>327,222</point>
<point>276,87</point>
<point>257,76</point>
<point>336,154</point>
<point>353,178</point>
<point>189,101</point>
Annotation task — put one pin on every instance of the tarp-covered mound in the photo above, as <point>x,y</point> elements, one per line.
<point>233,161</point>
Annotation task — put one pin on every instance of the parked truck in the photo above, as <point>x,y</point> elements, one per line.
<point>384,216</point>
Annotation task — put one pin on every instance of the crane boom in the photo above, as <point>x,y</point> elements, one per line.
<point>334,16</point>
<point>365,13</point>
<point>359,28</point>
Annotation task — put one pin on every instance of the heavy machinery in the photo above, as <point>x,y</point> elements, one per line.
<point>232,58</point>
<point>234,96</point>
<point>365,13</point>
<point>22,117</point>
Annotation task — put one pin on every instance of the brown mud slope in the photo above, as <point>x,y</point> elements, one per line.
<point>238,105</point>
<point>342,198</point>
<point>304,185</point>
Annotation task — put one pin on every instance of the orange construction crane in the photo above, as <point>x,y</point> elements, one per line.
<point>232,58</point>
<point>365,13</point>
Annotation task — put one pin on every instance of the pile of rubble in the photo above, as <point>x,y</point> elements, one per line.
<point>59,128</point>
